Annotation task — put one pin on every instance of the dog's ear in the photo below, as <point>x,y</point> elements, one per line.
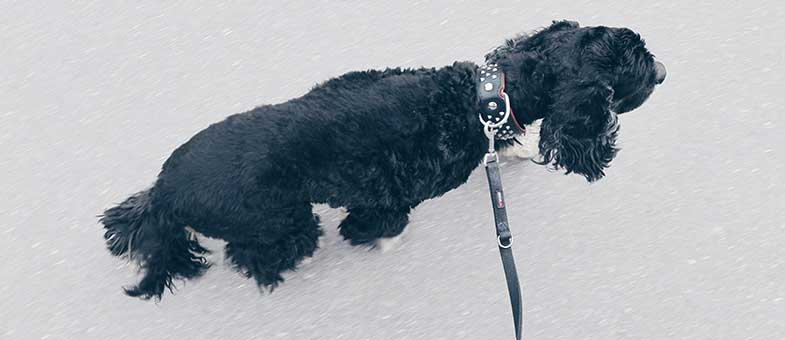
<point>579,133</point>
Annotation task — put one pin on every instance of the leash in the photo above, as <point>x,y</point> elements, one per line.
<point>504,240</point>
<point>496,108</point>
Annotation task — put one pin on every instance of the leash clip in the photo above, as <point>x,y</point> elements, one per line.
<point>490,157</point>
<point>490,133</point>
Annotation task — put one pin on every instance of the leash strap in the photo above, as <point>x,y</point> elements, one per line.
<point>504,240</point>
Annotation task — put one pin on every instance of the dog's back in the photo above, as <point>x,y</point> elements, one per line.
<point>362,132</point>
<point>377,143</point>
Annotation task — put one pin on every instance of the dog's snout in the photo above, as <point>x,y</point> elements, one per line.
<point>661,72</point>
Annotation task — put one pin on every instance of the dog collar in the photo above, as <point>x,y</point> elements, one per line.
<point>494,103</point>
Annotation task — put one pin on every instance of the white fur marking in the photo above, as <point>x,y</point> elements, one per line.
<point>387,244</point>
<point>529,148</point>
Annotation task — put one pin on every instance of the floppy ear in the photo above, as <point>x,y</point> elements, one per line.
<point>579,134</point>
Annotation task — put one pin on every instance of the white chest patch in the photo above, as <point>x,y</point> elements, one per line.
<point>529,143</point>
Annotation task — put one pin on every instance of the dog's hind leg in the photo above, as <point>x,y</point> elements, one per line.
<point>365,225</point>
<point>163,248</point>
<point>290,235</point>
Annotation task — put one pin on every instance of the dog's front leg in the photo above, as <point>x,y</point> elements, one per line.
<point>365,225</point>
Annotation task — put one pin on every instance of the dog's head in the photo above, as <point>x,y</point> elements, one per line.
<point>580,78</point>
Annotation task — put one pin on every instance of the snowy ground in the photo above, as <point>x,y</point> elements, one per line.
<point>683,240</point>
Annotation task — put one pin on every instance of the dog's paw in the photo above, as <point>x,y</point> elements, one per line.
<point>368,243</point>
<point>267,282</point>
<point>388,244</point>
<point>357,232</point>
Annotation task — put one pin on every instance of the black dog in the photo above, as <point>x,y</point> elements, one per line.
<point>377,143</point>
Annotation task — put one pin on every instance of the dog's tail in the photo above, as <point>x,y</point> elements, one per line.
<point>164,249</point>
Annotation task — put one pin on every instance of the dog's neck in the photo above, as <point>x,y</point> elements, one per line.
<point>527,84</point>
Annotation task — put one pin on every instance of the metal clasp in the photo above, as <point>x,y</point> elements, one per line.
<point>490,157</point>
<point>502,245</point>
<point>490,133</point>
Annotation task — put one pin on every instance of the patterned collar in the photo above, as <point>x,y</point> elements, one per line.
<point>494,103</point>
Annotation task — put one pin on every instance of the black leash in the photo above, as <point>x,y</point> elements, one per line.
<point>495,114</point>
<point>504,240</point>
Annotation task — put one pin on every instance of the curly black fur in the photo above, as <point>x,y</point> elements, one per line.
<point>152,238</point>
<point>578,80</point>
<point>377,143</point>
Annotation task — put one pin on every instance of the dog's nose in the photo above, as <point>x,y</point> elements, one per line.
<point>661,72</point>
